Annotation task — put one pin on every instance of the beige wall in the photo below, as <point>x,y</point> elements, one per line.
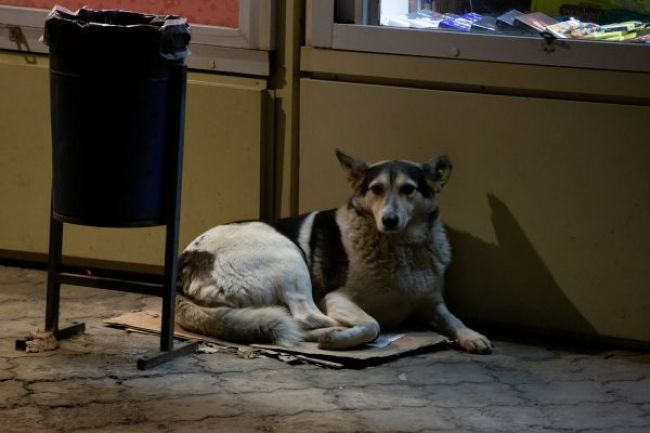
<point>547,208</point>
<point>222,176</point>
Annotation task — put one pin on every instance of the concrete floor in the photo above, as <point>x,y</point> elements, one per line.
<point>91,384</point>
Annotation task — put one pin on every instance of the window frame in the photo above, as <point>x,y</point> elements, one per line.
<point>243,50</point>
<point>323,32</point>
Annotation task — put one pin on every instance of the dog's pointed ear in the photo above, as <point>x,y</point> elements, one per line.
<point>355,168</point>
<point>438,171</point>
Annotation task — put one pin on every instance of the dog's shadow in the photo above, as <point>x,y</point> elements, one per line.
<point>507,284</point>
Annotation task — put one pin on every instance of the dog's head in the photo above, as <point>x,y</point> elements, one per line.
<point>396,193</point>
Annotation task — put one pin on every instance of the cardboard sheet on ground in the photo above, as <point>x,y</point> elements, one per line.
<point>386,347</point>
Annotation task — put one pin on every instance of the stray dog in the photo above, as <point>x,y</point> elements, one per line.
<point>371,264</point>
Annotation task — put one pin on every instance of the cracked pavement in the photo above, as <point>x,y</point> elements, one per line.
<point>91,384</point>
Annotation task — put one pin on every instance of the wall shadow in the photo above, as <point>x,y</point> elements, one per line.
<point>508,283</point>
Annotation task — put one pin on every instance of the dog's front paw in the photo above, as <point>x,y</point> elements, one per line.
<point>473,342</point>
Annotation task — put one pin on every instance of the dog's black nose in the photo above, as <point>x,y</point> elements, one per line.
<point>390,222</point>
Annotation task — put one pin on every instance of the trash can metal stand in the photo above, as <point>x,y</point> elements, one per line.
<point>113,167</point>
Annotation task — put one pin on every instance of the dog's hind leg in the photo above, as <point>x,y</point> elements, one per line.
<point>271,324</point>
<point>297,295</point>
<point>355,326</point>
<point>319,334</point>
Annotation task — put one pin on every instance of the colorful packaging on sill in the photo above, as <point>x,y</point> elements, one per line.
<point>576,29</point>
<point>517,23</point>
<point>565,29</point>
<point>591,9</point>
<point>423,19</point>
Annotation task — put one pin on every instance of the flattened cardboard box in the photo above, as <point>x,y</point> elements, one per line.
<point>387,346</point>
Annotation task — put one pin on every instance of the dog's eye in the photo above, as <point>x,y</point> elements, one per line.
<point>407,189</point>
<point>377,189</point>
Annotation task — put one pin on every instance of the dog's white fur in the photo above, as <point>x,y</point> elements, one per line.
<point>372,263</point>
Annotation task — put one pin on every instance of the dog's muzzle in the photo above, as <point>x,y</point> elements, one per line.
<point>390,222</point>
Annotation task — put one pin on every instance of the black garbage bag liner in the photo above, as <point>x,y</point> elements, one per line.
<point>115,111</point>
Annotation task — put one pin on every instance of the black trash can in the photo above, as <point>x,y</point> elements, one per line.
<point>114,92</point>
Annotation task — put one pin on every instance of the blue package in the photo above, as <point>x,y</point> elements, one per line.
<point>473,17</point>
<point>461,23</point>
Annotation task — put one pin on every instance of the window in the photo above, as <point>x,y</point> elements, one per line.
<point>227,35</point>
<point>221,13</point>
<point>600,34</point>
<point>599,20</point>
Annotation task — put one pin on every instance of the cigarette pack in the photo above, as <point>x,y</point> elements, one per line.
<point>461,23</point>
<point>628,26</point>
<point>485,24</point>
<point>536,21</point>
<point>562,30</point>
<point>506,23</point>
<point>508,19</point>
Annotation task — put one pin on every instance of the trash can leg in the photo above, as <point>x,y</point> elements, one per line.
<point>54,285</point>
<point>170,279</point>
<point>53,269</point>
<point>169,299</point>
<point>169,288</point>
<point>174,183</point>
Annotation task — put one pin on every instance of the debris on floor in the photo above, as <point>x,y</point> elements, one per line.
<point>40,341</point>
